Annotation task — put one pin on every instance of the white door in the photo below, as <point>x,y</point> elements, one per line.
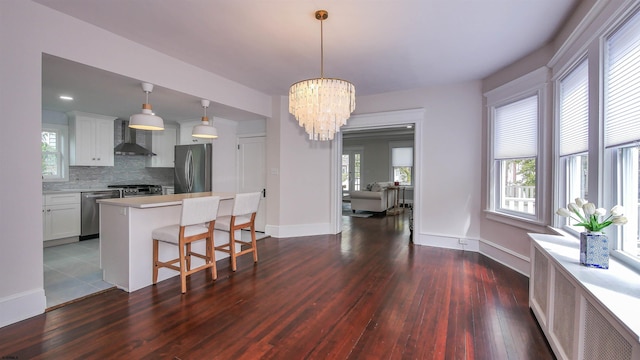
<point>351,169</point>
<point>252,172</point>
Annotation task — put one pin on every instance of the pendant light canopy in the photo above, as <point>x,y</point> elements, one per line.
<point>146,120</point>
<point>204,130</point>
<point>322,105</point>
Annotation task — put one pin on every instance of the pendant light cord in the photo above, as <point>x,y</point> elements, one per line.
<point>321,49</point>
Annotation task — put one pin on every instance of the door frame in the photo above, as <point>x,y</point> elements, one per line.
<point>378,120</point>
<point>263,199</point>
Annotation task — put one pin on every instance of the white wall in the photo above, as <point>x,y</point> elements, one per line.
<point>224,156</point>
<point>376,157</point>
<point>298,176</point>
<point>26,31</point>
<point>451,157</point>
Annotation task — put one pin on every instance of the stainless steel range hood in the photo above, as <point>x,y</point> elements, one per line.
<point>128,145</point>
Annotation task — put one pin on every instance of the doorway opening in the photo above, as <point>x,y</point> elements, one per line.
<point>405,123</point>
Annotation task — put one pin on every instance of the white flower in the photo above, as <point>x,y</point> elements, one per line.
<point>619,220</point>
<point>589,209</point>
<point>573,207</point>
<point>590,217</point>
<point>617,210</point>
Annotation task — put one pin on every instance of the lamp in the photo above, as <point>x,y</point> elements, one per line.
<point>146,120</point>
<point>204,130</point>
<point>322,105</point>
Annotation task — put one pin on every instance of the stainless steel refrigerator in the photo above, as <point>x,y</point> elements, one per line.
<point>192,168</point>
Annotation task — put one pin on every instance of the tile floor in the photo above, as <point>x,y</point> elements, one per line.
<point>72,271</point>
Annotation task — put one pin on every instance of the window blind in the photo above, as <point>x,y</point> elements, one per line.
<point>622,85</point>
<point>574,111</point>
<point>402,156</point>
<point>516,129</point>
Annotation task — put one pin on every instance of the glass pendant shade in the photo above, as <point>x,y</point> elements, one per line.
<point>322,105</point>
<point>146,120</point>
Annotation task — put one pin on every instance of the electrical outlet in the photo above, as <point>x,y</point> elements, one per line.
<point>462,242</point>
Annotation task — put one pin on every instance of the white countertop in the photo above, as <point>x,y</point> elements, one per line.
<point>145,202</point>
<point>616,288</point>
<point>71,191</point>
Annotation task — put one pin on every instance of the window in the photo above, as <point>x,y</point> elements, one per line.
<point>515,139</point>
<point>54,163</point>
<point>402,165</point>
<point>351,169</point>
<point>573,144</point>
<point>622,128</point>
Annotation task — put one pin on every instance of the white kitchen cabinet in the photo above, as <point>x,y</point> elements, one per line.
<point>185,134</point>
<point>163,144</point>
<point>61,215</point>
<point>90,139</point>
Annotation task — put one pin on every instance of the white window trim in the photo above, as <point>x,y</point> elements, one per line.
<point>531,84</point>
<point>63,130</point>
<point>559,166</point>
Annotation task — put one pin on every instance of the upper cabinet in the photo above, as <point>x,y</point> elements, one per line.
<point>90,139</point>
<point>163,144</point>
<point>185,134</point>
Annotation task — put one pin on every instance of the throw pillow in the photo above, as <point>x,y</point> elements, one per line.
<point>376,187</point>
<point>369,186</point>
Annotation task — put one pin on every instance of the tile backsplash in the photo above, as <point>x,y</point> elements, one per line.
<point>126,170</point>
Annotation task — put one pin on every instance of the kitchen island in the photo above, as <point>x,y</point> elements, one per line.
<point>126,246</point>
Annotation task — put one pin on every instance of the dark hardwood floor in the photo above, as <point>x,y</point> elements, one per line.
<point>367,293</point>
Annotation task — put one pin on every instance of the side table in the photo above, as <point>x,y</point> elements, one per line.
<point>396,209</point>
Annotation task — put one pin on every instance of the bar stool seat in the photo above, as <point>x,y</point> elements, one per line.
<point>197,222</point>
<point>243,215</point>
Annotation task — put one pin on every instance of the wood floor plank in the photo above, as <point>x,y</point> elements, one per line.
<point>367,293</point>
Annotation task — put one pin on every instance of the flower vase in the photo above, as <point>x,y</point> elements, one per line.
<point>594,249</point>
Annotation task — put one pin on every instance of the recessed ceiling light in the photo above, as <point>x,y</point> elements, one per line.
<point>66,97</point>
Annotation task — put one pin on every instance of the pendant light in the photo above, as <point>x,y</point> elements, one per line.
<point>204,130</point>
<point>322,105</point>
<point>146,120</point>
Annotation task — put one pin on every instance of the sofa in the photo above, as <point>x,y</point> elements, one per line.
<point>375,197</point>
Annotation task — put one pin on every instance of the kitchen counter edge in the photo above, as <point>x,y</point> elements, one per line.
<point>146,202</point>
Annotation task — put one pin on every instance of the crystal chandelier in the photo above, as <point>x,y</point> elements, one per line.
<point>322,105</point>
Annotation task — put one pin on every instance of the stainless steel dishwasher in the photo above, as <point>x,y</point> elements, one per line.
<point>90,211</point>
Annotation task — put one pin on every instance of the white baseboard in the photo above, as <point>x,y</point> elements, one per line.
<point>504,256</point>
<point>18,307</point>
<point>447,242</point>
<point>286,231</point>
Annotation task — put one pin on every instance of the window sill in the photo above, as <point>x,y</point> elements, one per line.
<point>616,288</point>
<point>523,223</point>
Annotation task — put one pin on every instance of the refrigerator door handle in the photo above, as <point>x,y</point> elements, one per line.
<point>188,170</point>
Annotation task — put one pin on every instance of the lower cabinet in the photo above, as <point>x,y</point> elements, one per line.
<point>573,317</point>
<point>61,216</point>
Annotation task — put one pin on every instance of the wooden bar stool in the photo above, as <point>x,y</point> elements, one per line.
<point>243,215</point>
<point>197,222</point>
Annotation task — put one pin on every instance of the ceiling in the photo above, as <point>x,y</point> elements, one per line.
<point>380,46</point>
